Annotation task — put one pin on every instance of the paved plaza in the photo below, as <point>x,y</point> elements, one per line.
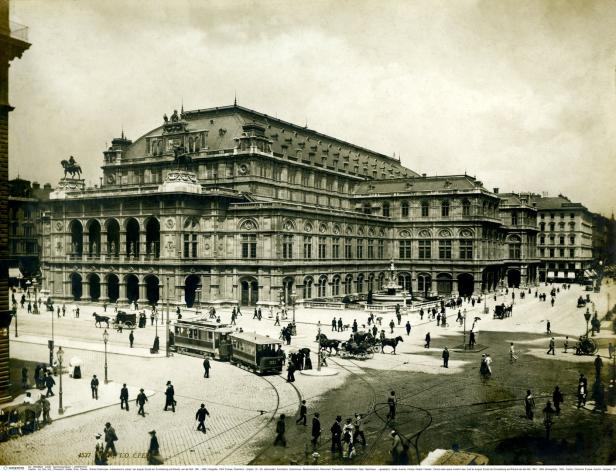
<point>243,406</point>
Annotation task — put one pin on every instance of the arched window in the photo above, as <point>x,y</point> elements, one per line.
<point>322,286</point>
<point>348,284</point>
<point>336,285</point>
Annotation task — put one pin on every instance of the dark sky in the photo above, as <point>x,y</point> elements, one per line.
<point>519,93</point>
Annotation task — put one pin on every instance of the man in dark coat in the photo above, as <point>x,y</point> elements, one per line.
<point>206,367</point>
<point>445,358</point>
<point>303,410</point>
<point>280,429</point>
<point>557,399</point>
<point>200,417</point>
<point>336,431</point>
<point>291,372</point>
<point>427,345</point>
<point>316,430</point>
<point>153,455</point>
<point>552,345</point>
<point>169,399</point>
<point>141,400</point>
<point>340,324</point>
<point>392,403</point>
<point>598,366</point>
<point>408,328</point>
<point>49,383</point>
<point>334,324</point>
<point>110,438</point>
<point>131,338</point>
<point>124,397</point>
<point>94,387</point>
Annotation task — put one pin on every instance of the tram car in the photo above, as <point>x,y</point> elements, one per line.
<point>199,338</point>
<point>256,352</point>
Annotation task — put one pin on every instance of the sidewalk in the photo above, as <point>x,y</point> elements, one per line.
<point>77,396</point>
<point>90,346</point>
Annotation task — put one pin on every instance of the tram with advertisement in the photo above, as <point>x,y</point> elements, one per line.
<point>258,353</point>
<point>202,338</point>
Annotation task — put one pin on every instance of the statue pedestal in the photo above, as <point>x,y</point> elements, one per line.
<point>180,181</point>
<point>66,185</point>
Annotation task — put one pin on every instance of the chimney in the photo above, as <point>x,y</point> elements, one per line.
<point>47,186</point>
<point>495,190</point>
<point>423,175</point>
<point>36,185</point>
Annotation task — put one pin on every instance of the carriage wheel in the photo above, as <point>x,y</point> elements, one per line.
<point>128,325</point>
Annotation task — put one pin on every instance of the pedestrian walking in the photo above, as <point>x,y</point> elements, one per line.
<point>169,397</point>
<point>512,356</point>
<point>391,404</point>
<point>291,372</point>
<point>94,387</point>
<point>277,321</point>
<point>206,367</point>
<point>280,429</point>
<point>427,345</point>
<point>316,431</point>
<point>471,340</point>
<point>100,456</point>
<point>49,383</point>
<point>445,356</point>
<point>391,326</point>
<point>438,319</point>
<point>408,328</point>
<point>421,314</point>
<point>336,431</point>
<point>340,324</point>
<point>489,364</point>
<point>124,397</point>
<point>259,314</point>
<point>548,327</point>
<point>110,439</point>
<point>334,324</point>
<point>551,349</point>
<point>529,405</point>
<point>347,439</point>
<point>397,450</point>
<point>303,410</point>
<point>46,408</point>
<point>141,400</point>
<point>359,430</point>
<point>77,312</point>
<point>200,417</point>
<point>610,350</point>
<point>566,344</point>
<point>557,399</point>
<point>58,312</point>
<point>355,328</point>
<point>29,307</point>
<point>552,302</point>
<point>153,455</point>
<point>131,338</point>
<point>399,317</point>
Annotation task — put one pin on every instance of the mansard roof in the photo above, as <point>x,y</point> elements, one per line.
<point>423,184</point>
<point>224,124</point>
<point>555,203</point>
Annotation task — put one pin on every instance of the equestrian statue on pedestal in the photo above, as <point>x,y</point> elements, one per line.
<point>71,166</point>
<point>181,157</point>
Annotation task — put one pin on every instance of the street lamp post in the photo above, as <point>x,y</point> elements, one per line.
<point>156,324</point>
<point>587,317</point>
<point>60,356</point>
<point>105,340</point>
<point>168,323</point>
<point>319,346</point>
<point>464,331</point>
<point>35,307</point>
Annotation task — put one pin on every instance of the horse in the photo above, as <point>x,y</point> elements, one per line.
<point>327,344</point>
<point>99,319</point>
<point>71,168</point>
<point>391,343</point>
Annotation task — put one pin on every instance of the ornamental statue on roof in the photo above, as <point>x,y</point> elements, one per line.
<point>71,166</point>
<point>175,117</point>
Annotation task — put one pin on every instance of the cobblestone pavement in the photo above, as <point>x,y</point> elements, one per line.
<point>238,431</point>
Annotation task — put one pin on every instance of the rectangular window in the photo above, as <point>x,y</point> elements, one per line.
<point>322,248</point>
<point>514,251</point>
<point>466,249</point>
<point>307,246</point>
<point>424,209</point>
<point>380,249</point>
<point>405,210</point>
<point>542,240</point>
<point>370,248</point>
<point>190,245</point>
<point>249,246</point>
<point>561,252</point>
<point>551,253</point>
<point>444,249</point>
<point>561,240</point>
<point>572,253</point>
<point>572,240</point>
<point>336,247</point>
<point>348,252</point>
<point>360,248</point>
<point>514,219</point>
<point>287,247</point>
<point>542,252</point>
<point>425,249</point>
<point>405,249</point>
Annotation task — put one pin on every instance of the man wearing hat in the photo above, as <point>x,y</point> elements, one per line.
<point>169,400</point>
<point>141,400</point>
<point>100,457</point>
<point>280,429</point>
<point>46,408</point>
<point>124,397</point>
<point>154,457</point>
<point>200,416</point>
<point>316,430</point>
<point>110,438</point>
<point>336,431</point>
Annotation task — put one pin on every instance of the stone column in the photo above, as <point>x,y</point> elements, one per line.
<point>143,299</point>
<point>104,297</point>
<point>122,299</point>
<point>103,247</point>
<point>123,249</point>
<point>85,290</point>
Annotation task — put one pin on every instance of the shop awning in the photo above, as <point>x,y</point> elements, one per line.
<point>561,274</point>
<point>550,274</point>
<point>15,273</point>
<point>571,275</point>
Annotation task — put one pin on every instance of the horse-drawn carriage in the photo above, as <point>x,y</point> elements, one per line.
<point>360,346</point>
<point>581,302</point>
<point>502,311</point>
<point>586,346</point>
<point>19,419</point>
<point>125,320</point>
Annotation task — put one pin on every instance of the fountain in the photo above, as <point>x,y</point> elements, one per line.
<point>392,292</point>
